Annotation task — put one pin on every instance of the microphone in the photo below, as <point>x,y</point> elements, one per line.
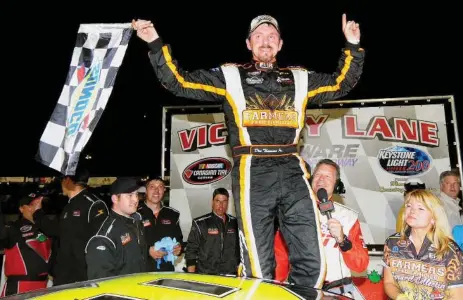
<point>326,206</point>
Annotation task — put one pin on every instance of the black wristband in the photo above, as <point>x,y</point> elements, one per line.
<point>345,245</point>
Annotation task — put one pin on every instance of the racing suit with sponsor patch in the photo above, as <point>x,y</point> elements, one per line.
<point>264,107</point>
<point>27,255</point>
<point>118,248</point>
<point>165,224</point>
<point>423,275</point>
<point>341,262</point>
<point>79,221</point>
<point>213,245</point>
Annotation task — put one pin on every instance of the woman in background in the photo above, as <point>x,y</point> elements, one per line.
<point>422,260</point>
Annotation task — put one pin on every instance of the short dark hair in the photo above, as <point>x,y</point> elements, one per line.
<point>155,178</point>
<point>453,172</point>
<point>327,161</point>
<point>220,191</point>
<point>80,176</point>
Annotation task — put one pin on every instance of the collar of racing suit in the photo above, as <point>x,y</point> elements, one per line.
<point>131,219</point>
<point>426,242</point>
<point>224,220</point>
<point>264,66</point>
<point>79,193</point>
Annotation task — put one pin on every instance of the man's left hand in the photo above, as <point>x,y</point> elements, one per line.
<point>335,229</point>
<point>351,30</point>
<point>177,249</point>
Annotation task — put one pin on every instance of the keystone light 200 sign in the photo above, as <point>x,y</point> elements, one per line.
<point>378,148</point>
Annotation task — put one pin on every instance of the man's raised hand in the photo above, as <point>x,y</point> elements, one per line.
<point>145,30</point>
<point>351,30</point>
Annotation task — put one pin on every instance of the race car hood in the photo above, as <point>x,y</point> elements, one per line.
<point>176,286</point>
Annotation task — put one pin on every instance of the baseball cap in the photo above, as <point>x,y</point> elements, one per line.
<point>414,184</point>
<point>28,198</point>
<point>123,185</point>
<point>259,20</point>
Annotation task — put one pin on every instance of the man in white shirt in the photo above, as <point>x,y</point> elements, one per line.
<point>342,236</point>
<point>450,184</point>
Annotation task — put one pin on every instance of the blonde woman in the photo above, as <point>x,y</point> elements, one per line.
<point>422,260</point>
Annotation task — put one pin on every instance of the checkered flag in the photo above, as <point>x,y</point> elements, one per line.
<point>97,56</point>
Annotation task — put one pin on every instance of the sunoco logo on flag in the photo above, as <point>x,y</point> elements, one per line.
<point>97,56</point>
<point>83,98</point>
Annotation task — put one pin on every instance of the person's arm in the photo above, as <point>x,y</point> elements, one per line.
<point>50,227</point>
<point>204,85</point>
<point>356,258</point>
<point>179,236</point>
<point>391,288</point>
<point>100,256</point>
<point>455,293</point>
<point>192,248</point>
<point>325,87</point>
<point>454,273</point>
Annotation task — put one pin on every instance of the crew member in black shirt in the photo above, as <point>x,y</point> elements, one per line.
<point>159,221</point>
<point>213,246</point>
<point>79,221</point>
<point>119,246</point>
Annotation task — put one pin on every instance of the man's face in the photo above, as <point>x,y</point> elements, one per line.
<point>220,205</point>
<point>65,182</point>
<point>28,210</point>
<point>450,186</point>
<point>264,43</point>
<point>126,203</point>
<point>155,191</point>
<point>324,177</point>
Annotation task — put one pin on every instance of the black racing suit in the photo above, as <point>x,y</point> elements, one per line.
<point>213,245</point>
<point>118,248</point>
<point>264,107</point>
<point>79,221</point>
<point>165,224</point>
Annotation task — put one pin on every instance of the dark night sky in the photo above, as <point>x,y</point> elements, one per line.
<point>410,52</point>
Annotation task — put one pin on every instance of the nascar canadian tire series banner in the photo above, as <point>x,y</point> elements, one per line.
<point>200,162</point>
<point>377,144</point>
<point>97,56</point>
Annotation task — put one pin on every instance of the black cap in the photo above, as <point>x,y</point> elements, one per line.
<point>124,185</point>
<point>414,184</point>
<point>28,198</point>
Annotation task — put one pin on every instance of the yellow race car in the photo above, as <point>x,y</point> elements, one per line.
<point>176,286</point>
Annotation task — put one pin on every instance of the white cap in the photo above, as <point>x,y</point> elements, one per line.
<point>259,20</point>
<point>413,181</point>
